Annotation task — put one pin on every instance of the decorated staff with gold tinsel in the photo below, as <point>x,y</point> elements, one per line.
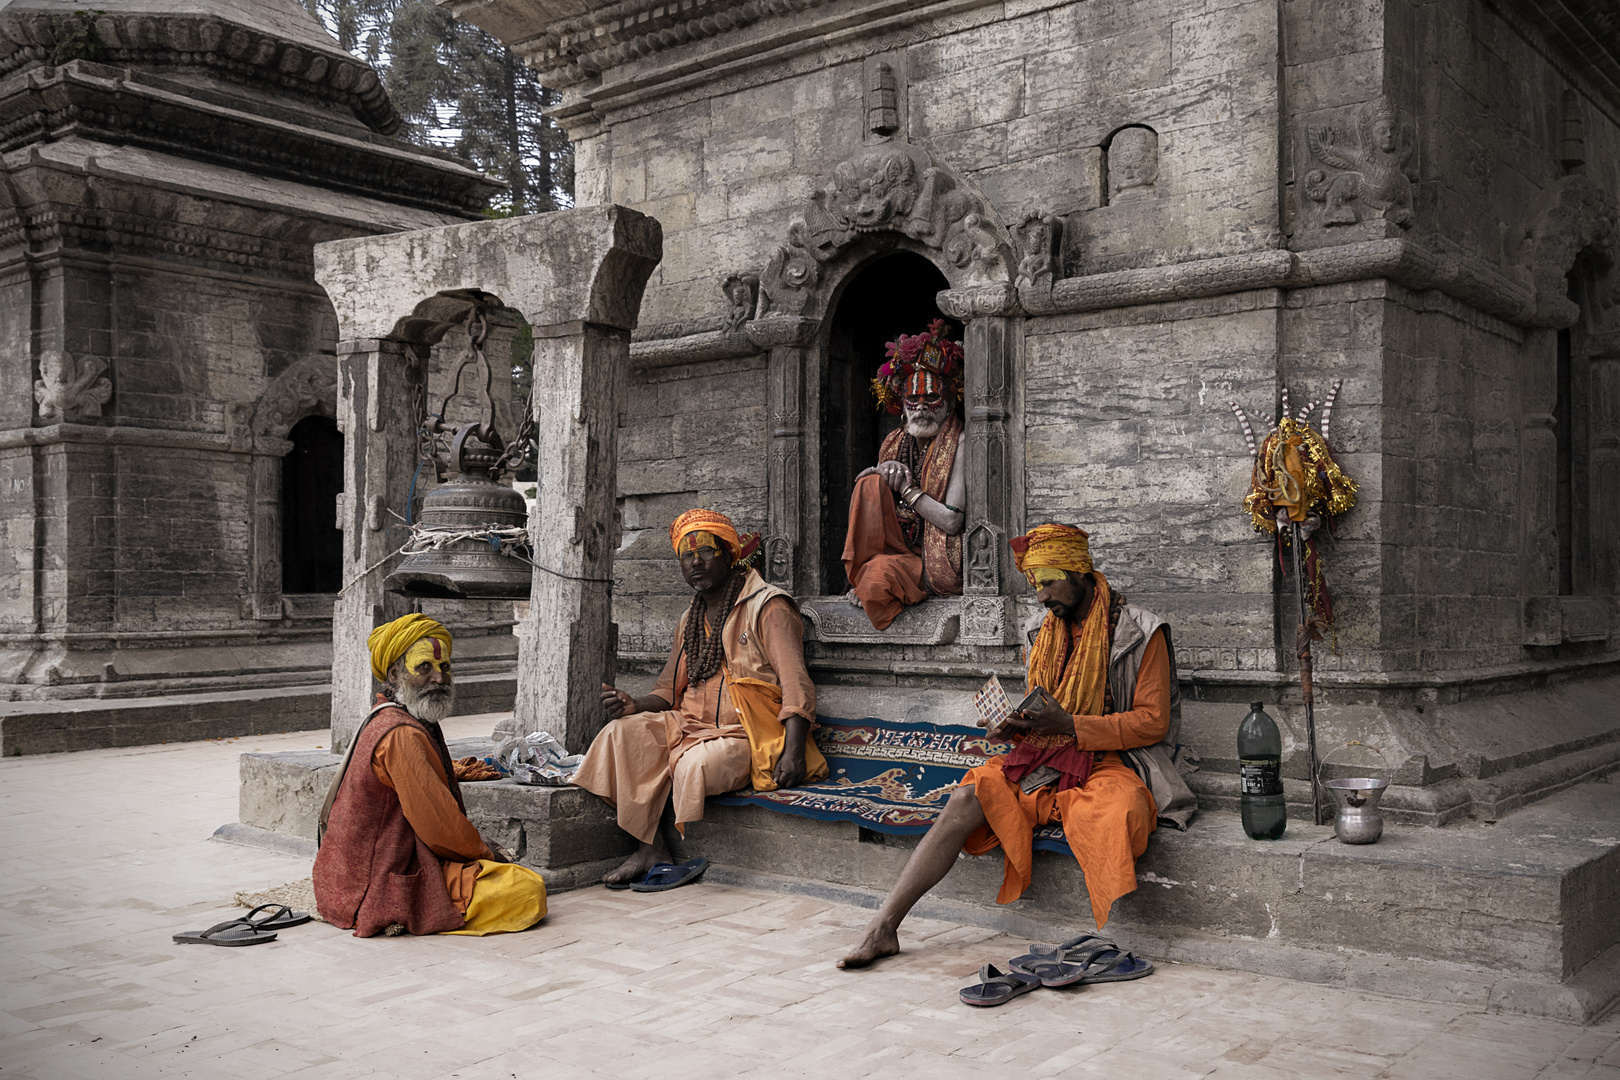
<point>1295,488</point>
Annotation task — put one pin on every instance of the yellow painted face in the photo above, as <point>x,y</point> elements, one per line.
<point>1044,575</point>
<point>697,540</point>
<point>427,650</point>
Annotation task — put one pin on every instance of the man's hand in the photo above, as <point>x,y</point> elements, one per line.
<point>1049,719</point>
<point>617,702</point>
<point>790,767</point>
<point>896,475</point>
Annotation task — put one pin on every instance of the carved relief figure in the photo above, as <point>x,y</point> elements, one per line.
<point>905,517</point>
<point>1133,163</point>
<point>1038,237</point>
<point>740,291</point>
<point>65,389</point>
<point>1376,171</point>
<point>885,187</point>
<point>308,386</point>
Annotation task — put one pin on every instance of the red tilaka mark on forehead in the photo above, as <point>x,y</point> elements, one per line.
<point>436,654</point>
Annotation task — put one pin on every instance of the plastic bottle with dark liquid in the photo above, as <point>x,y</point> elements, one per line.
<point>1259,744</point>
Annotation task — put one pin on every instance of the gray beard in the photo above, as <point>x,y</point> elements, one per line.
<point>923,426</point>
<point>430,705</point>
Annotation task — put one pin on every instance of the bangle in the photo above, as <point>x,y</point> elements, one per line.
<point>911,495</point>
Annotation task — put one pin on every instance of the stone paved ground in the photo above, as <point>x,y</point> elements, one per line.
<point>107,854</point>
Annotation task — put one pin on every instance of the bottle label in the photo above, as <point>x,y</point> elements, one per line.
<point>1260,776</point>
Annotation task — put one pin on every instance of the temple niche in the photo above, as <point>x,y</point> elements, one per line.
<point>1132,163</point>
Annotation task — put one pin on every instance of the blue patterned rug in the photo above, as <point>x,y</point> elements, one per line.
<point>888,777</point>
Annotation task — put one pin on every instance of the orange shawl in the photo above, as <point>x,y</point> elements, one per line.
<point>942,555</point>
<point>1079,686</point>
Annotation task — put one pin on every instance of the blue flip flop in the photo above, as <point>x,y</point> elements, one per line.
<point>666,876</point>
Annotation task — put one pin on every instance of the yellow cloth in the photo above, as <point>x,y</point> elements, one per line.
<point>390,641</point>
<point>1062,547</point>
<point>506,898</point>
<point>1078,686</point>
<point>709,521</point>
<point>758,704</point>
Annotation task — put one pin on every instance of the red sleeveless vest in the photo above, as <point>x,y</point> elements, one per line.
<point>372,870</point>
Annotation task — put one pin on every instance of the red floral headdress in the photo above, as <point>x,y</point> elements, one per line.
<point>919,363</point>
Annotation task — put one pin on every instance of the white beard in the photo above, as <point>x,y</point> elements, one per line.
<point>924,424</point>
<point>430,705</point>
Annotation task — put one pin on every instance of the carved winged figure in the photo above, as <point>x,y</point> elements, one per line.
<point>1376,172</point>
<point>65,388</point>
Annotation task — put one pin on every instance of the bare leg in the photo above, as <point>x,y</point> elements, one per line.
<point>927,866</point>
<point>648,854</point>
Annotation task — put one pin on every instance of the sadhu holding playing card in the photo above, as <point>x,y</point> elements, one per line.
<point>1095,756</point>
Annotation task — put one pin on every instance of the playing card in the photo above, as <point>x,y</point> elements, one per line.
<point>993,704</point>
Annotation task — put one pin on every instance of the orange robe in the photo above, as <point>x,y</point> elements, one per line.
<point>700,747</point>
<point>406,760</point>
<point>1108,821</point>
<point>887,574</point>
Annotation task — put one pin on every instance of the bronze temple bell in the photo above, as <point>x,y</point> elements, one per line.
<point>442,561</point>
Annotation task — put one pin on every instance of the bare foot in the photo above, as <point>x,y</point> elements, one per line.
<point>853,599</point>
<point>636,866</point>
<point>880,941</point>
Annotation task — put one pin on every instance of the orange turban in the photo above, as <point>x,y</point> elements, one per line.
<point>1056,547</point>
<point>710,521</point>
<point>390,641</point>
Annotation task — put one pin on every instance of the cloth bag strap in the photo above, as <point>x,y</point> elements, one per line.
<point>343,770</point>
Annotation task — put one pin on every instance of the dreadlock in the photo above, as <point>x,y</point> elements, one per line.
<point>704,654</point>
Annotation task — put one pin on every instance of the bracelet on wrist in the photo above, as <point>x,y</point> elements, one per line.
<point>911,495</point>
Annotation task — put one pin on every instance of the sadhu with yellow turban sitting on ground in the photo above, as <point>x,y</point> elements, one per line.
<point>1095,758</point>
<point>732,708</point>
<point>397,853</point>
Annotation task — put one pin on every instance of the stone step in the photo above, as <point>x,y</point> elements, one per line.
<point>54,727</point>
<point>1523,914</point>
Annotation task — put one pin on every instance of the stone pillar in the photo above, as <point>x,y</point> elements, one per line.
<point>568,637</point>
<point>1605,432</point>
<point>378,412</point>
<point>790,556</point>
<point>1538,491</point>
<point>993,514</point>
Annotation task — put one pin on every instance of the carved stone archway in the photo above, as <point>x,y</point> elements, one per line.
<point>888,187</point>
<point>898,196</point>
<point>308,387</point>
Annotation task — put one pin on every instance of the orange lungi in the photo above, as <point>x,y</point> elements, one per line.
<point>1107,824</point>
<point>886,573</point>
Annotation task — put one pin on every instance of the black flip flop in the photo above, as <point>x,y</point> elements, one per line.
<point>1117,966</point>
<point>996,987</point>
<point>281,917</point>
<point>233,933</point>
<point>666,876</point>
<point>1048,964</point>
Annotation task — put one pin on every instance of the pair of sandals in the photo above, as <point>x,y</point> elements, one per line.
<point>665,876</point>
<point>1088,958</point>
<point>247,930</point>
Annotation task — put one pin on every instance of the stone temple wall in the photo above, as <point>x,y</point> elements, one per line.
<point>165,182</point>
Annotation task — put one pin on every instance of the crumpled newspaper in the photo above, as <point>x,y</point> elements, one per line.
<point>536,759</point>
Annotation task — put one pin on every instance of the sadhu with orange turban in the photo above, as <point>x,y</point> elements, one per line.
<point>1078,760</point>
<point>396,807</point>
<point>732,708</point>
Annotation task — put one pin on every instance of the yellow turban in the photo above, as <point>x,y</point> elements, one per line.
<point>709,521</point>
<point>1056,547</point>
<point>390,641</point>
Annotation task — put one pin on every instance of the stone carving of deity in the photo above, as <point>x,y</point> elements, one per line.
<point>1133,163</point>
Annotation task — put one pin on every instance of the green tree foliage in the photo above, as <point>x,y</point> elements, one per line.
<point>459,88</point>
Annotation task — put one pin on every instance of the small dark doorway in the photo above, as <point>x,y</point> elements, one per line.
<point>893,295</point>
<point>311,479</point>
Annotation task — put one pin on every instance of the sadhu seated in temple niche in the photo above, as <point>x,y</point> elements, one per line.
<point>732,708</point>
<point>1096,756</point>
<point>906,515</point>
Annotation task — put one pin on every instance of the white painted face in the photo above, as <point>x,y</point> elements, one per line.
<point>925,414</point>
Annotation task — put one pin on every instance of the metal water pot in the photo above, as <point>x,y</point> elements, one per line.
<point>1358,820</point>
